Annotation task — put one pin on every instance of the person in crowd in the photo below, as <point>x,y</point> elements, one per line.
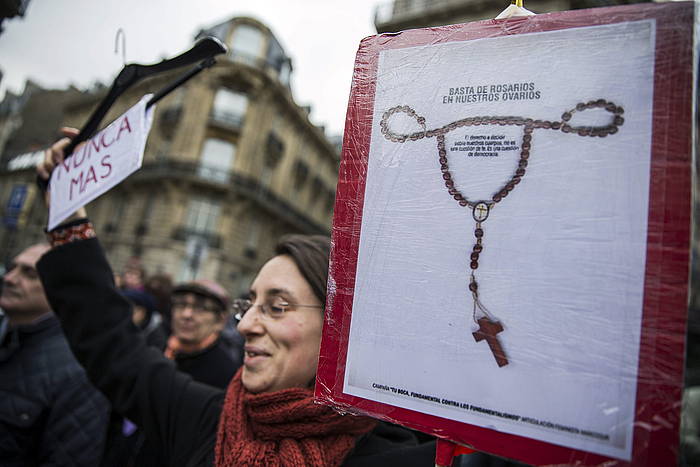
<point>134,275</point>
<point>160,286</point>
<point>199,312</point>
<point>50,414</point>
<point>146,317</point>
<point>267,415</point>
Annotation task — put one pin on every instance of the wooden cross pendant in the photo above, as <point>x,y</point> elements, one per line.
<point>488,330</point>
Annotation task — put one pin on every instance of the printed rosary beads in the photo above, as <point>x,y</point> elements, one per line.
<point>489,326</point>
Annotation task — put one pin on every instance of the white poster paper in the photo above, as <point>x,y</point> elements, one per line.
<point>100,163</point>
<point>563,260</point>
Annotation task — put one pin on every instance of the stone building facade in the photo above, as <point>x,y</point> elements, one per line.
<point>231,164</point>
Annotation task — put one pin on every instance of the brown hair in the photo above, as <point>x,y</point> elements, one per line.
<point>310,254</point>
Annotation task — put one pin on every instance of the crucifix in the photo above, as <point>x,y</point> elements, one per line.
<point>488,325</point>
<point>488,330</point>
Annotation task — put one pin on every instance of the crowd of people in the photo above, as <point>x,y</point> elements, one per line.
<point>127,370</point>
<point>98,369</point>
<point>50,413</point>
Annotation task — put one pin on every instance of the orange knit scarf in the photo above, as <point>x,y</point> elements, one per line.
<point>176,346</point>
<point>283,429</point>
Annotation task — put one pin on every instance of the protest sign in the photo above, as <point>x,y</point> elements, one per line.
<point>511,235</point>
<point>100,163</point>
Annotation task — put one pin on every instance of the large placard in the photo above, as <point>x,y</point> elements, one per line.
<point>497,247</point>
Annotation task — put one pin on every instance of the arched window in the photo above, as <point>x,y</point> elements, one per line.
<point>247,42</point>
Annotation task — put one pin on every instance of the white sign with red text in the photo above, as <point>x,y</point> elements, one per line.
<point>100,163</point>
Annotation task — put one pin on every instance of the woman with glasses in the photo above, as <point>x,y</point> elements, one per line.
<point>267,415</point>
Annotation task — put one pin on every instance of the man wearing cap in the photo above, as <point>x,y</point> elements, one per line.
<point>199,312</point>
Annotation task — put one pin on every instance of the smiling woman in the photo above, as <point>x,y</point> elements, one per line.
<point>267,415</point>
<point>282,343</point>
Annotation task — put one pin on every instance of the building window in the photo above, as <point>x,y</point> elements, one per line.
<point>301,173</point>
<point>247,43</point>
<point>147,214</point>
<point>316,190</point>
<point>202,216</point>
<point>196,252</point>
<point>216,160</point>
<point>275,150</point>
<point>200,225</point>
<point>253,239</point>
<point>230,107</point>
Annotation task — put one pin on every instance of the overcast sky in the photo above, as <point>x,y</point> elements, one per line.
<point>58,43</point>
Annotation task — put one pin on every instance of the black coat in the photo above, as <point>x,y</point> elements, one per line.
<point>213,366</point>
<point>179,414</point>
<point>50,414</point>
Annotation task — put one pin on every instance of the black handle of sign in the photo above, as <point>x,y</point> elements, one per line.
<point>209,62</point>
<point>203,51</point>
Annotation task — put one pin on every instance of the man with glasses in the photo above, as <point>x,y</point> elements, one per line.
<point>199,314</point>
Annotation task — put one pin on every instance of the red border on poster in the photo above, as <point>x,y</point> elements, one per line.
<point>662,346</point>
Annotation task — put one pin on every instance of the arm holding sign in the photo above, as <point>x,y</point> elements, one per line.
<point>179,414</point>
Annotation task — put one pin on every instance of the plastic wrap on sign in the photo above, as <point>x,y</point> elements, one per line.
<point>511,237</point>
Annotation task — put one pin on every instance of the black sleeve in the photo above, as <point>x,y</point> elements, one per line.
<point>175,412</point>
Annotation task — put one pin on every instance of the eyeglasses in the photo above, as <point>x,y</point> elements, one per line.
<point>196,306</point>
<point>274,310</point>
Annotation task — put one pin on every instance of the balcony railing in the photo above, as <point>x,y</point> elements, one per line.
<point>182,233</point>
<point>214,174</point>
<point>246,186</point>
<point>229,120</point>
